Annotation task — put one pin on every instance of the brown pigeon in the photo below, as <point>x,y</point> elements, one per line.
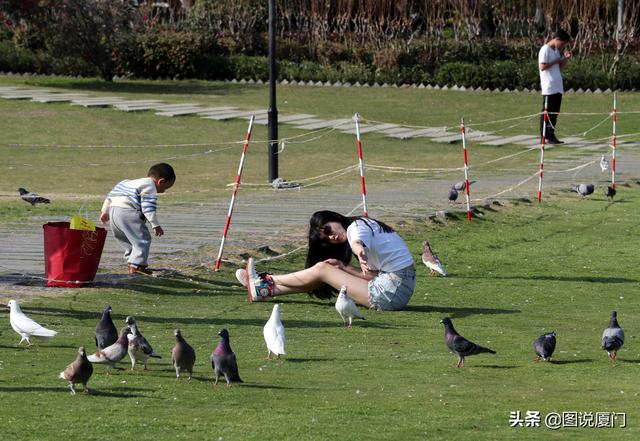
<point>431,260</point>
<point>79,371</point>
<point>182,355</point>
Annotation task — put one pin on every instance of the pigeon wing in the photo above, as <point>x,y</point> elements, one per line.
<point>461,345</point>
<point>23,324</point>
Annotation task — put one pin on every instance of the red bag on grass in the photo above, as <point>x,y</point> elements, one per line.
<point>71,257</point>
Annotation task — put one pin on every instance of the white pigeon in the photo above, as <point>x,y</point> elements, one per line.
<point>346,308</point>
<point>274,333</point>
<point>26,327</point>
<point>604,164</point>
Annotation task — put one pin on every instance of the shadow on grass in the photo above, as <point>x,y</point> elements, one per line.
<point>308,360</point>
<point>271,386</point>
<point>104,393</point>
<point>578,360</point>
<point>215,321</point>
<point>495,366</point>
<point>624,360</point>
<point>40,346</point>
<point>590,279</point>
<point>458,312</point>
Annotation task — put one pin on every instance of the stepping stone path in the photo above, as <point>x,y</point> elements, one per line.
<point>299,121</point>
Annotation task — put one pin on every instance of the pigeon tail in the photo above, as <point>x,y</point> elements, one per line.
<point>611,343</point>
<point>44,332</point>
<point>482,349</point>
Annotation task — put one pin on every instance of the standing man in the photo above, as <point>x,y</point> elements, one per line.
<point>552,61</point>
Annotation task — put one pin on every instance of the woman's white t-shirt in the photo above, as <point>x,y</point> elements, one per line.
<point>385,251</point>
<point>551,78</point>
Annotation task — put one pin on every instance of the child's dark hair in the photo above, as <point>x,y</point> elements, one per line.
<point>162,170</point>
<point>320,250</point>
<point>561,35</point>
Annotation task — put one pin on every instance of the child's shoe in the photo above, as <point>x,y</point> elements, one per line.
<point>139,269</point>
<point>260,287</point>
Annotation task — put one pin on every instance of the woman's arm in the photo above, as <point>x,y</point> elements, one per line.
<point>352,269</point>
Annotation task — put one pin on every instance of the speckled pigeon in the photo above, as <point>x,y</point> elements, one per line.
<point>346,308</point>
<point>78,371</point>
<point>583,189</point>
<point>139,348</point>
<point>24,326</point>
<point>114,353</point>
<point>106,332</point>
<point>31,197</point>
<point>431,260</point>
<point>183,357</point>
<point>610,192</point>
<point>274,335</point>
<point>461,185</point>
<point>613,337</point>
<point>452,195</point>
<point>460,345</point>
<point>544,346</point>
<point>223,360</point>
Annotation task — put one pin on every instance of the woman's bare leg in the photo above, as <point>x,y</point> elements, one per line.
<point>313,277</point>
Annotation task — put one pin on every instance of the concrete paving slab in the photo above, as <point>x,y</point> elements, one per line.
<point>23,94</point>
<point>232,115</point>
<point>296,117</point>
<point>416,133</point>
<point>323,124</point>
<point>398,129</point>
<point>508,140</point>
<point>195,110</point>
<point>55,98</point>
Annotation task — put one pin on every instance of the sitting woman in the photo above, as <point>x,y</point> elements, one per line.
<point>386,277</point>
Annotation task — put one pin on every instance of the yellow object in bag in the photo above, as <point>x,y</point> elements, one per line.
<point>81,223</point>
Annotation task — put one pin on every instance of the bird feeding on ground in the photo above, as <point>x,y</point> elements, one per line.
<point>452,195</point>
<point>24,326</point>
<point>347,308</point>
<point>460,345</point>
<point>31,197</point>
<point>613,337</point>
<point>223,361</point>
<point>610,192</point>
<point>431,260</point>
<point>544,346</point>
<point>583,189</point>
<point>461,185</point>
<point>139,348</point>
<point>78,371</point>
<point>183,357</point>
<point>273,333</point>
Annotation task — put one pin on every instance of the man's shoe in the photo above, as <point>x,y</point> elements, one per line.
<point>553,140</point>
<point>241,275</point>
<point>259,286</point>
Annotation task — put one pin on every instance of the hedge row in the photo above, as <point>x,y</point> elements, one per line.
<point>191,56</point>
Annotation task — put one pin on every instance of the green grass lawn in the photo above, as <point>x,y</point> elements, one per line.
<point>514,274</point>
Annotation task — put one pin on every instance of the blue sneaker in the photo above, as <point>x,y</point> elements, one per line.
<point>259,287</point>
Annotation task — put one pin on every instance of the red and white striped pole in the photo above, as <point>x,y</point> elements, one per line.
<point>466,169</point>
<point>614,142</point>
<point>235,192</point>
<point>356,118</point>
<point>545,120</point>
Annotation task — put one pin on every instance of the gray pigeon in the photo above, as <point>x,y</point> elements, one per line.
<point>544,346</point>
<point>430,259</point>
<point>79,371</point>
<point>613,337</point>
<point>460,345</point>
<point>106,332</point>
<point>461,185</point>
<point>453,195</point>
<point>114,353</point>
<point>610,192</point>
<point>183,357</point>
<point>583,189</point>
<point>139,348</point>
<point>32,198</point>
<point>223,360</point>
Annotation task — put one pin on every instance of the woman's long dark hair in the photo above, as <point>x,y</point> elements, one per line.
<point>320,250</point>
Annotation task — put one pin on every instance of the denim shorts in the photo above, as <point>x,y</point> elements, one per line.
<point>392,291</point>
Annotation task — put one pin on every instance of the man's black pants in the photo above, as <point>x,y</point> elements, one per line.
<point>553,109</point>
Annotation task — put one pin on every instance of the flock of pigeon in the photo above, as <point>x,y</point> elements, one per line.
<point>112,347</point>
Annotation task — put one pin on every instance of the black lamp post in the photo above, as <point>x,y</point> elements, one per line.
<point>272,113</point>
